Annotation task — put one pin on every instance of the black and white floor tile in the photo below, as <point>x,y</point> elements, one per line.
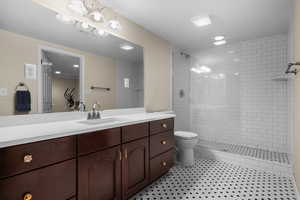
<point>216,180</point>
<point>248,151</point>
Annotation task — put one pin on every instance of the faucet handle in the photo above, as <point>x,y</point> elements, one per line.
<point>89,116</point>
<point>98,115</point>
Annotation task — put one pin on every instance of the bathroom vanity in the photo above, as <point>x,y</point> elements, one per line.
<point>111,163</point>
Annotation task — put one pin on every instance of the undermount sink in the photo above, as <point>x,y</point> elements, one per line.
<point>101,121</point>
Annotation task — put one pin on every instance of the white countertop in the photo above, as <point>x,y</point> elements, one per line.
<point>22,134</point>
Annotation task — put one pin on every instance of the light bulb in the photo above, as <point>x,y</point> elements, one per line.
<point>115,25</point>
<point>100,32</point>
<point>97,16</point>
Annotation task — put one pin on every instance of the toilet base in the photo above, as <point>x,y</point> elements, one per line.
<point>186,157</point>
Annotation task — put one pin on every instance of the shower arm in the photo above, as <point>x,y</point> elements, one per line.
<point>290,71</point>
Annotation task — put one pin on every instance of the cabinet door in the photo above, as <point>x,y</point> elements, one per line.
<point>135,166</point>
<point>99,175</point>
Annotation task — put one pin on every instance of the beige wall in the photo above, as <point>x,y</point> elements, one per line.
<point>157,57</point>
<point>296,139</point>
<point>16,50</point>
<point>59,86</point>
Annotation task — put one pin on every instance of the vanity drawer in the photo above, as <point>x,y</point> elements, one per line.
<point>22,158</point>
<point>55,182</point>
<point>161,143</point>
<point>161,164</point>
<point>95,141</point>
<point>134,132</point>
<point>161,126</point>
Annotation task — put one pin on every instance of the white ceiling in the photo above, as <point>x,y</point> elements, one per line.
<point>27,18</point>
<point>238,20</point>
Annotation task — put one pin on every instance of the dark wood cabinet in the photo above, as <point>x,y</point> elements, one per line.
<point>111,164</point>
<point>134,132</point>
<point>161,164</point>
<point>161,143</point>
<point>99,175</point>
<point>99,140</point>
<point>26,157</point>
<point>135,166</point>
<point>55,182</point>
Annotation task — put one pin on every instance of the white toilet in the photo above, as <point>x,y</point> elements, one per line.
<point>185,143</point>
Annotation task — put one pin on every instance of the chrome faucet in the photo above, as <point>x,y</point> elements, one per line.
<point>94,113</point>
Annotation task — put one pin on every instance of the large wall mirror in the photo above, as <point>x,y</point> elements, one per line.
<point>48,66</point>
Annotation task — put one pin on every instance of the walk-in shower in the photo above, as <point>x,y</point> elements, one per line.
<point>237,98</point>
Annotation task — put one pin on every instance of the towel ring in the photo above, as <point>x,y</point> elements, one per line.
<point>22,85</point>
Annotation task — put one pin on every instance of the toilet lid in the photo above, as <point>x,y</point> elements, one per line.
<point>186,135</point>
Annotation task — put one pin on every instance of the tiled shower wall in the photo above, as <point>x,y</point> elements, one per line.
<point>245,98</point>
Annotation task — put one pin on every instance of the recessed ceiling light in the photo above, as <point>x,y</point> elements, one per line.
<point>200,21</point>
<point>65,19</point>
<point>57,72</point>
<point>236,73</point>
<point>231,52</point>
<point>221,42</point>
<point>219,37</point>
<point>126,47</point>
<point>76,66</point>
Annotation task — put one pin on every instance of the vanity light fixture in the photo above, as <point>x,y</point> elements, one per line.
<point>221,42</point>
<point>219,37</point>
<point>57,72</point>
<point>97,16</point>
<point>78,7</point>
<point>76,66</point>
<point>65,19</point>
<point>115,25</point>
<point>100,32</point>
<point>83,26</point>
<point>201,21</point>
<point>93,10</point>
<point>126,47</point>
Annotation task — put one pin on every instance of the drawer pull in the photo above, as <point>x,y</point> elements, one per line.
<point>28,159</point>
<point>163,142</point>
<point>164,164</point>
<point>27,196</point>
<point>164,125</point>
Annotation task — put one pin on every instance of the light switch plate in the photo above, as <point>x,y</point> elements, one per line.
<point>126,82</point>
<point>30,71</point>
<point>3,92</point>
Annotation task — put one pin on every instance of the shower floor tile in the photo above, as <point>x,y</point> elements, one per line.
<point>216,180</point>
<point>248,151</point>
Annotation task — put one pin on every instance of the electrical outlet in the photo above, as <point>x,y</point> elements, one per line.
<point>3,92</point>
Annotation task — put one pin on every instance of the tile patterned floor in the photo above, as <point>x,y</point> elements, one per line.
<point>248,151</point>
<point>216,180</point>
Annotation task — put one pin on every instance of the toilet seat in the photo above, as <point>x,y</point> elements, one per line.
<point>186,135</point>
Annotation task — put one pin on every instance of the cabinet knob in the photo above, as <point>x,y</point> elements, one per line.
<point>164,125</point>
<point>28,159</point>
<point>163,142</point>
<point>164,164</point>
<point>27,196</point>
